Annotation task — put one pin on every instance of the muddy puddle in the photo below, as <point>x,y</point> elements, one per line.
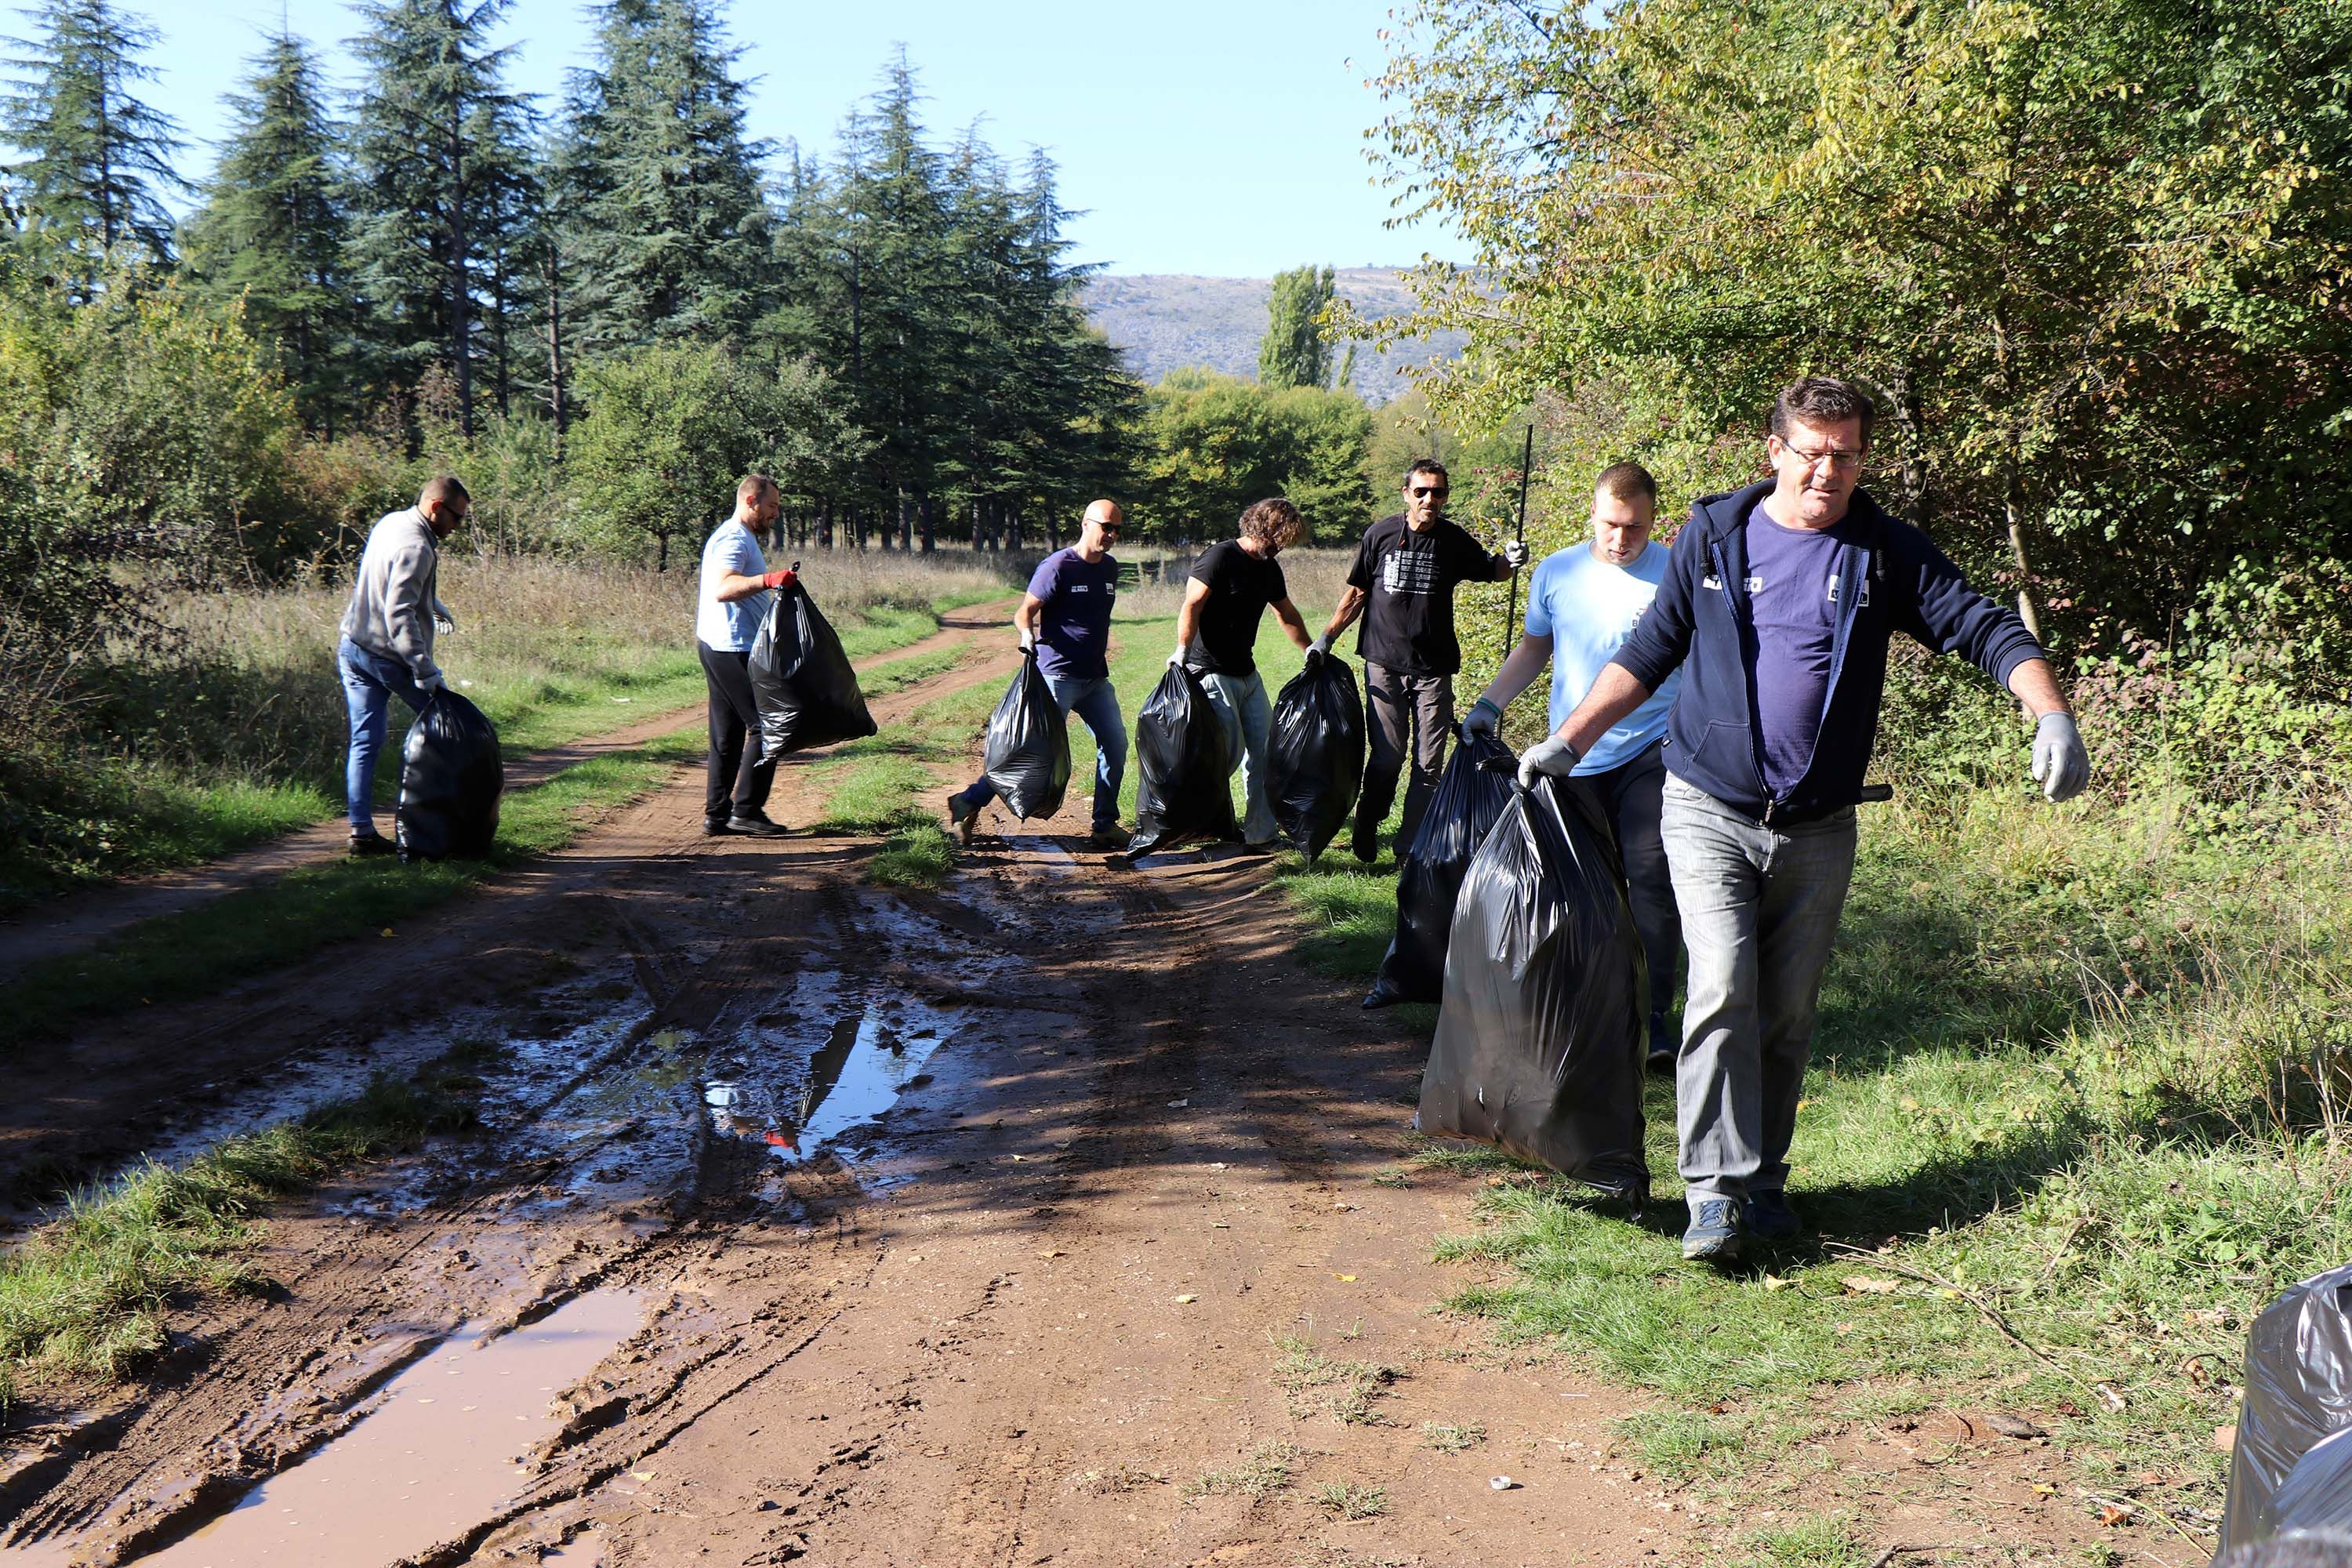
<point>437,1454</point>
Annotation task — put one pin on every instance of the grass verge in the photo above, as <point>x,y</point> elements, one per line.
<point>2076,1112</point>
<point>200,950</point>
<point>88,1295</point>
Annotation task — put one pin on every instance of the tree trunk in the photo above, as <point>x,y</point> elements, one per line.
<point>2013,479</point>
<point>661,557</point>
<point>931,519</point>
<point>825,524</point>
<point>906,523</point>
<point>1913,480</point>
<point>461,303</point>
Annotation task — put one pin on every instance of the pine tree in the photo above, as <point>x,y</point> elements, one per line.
<point>93,160</point>
<point>667,218</point>
<point>273,230</point>
<point>441,177</point>
<point>1294,351</point>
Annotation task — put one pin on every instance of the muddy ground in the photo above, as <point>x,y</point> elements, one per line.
<point>1058,1216</point>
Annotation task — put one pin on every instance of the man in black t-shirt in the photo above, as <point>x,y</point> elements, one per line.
<point>1402,583</point>
<point>1216,637</point>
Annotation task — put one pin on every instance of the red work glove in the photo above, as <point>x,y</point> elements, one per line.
<point>783,579</point>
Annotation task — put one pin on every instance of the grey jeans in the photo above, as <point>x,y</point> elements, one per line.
<point>1630,795</point>
<point>1404,713</point>
<point>1240,702</point>
<point>1759,911</point>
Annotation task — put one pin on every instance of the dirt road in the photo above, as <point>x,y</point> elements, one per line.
<point>1058,1216</point>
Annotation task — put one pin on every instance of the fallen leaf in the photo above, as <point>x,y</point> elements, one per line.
<point>1909,1103</point>
<point>1774,1282</point>
<point>2045,1488</point>
<point>1805,1105</point>
<point>1051,1252</point>
<point>387,930</point>
<point>2114,1514</point>
<point>641,1475</point>
<point>1346,1278</point>
<point>2110,1398</point>
<point>1869,1285</point>
<point>1186,1300</point>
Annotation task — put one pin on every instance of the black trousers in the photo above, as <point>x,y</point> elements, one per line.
<point>738,781</point>
<point>1631,796</point>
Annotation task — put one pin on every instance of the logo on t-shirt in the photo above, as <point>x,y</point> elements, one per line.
<point>1409,571</point>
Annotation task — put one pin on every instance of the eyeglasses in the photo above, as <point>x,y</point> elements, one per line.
<point>1840,462</point>
<point>1422,492</point>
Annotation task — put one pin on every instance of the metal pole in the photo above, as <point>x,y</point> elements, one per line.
<point>1526,461</point>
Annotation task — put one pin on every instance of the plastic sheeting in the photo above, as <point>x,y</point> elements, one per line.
<point>1028,755</point>
<point>451,776</point>
<point>1469,798</point>
<point>1316,763</point>
<point>2292,1464</point>
<point>801,681</point>
<point>1540,1040</point>
<point>1181,766</point>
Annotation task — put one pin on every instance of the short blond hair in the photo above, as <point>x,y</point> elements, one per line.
<point>1274,522</point>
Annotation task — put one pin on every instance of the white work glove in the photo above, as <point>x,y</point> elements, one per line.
<point>1178,656</point>
<point>429,684</point>
<point>1320,648</point>
<point>1514,554</point>
<point>1483,719</point>
<point>2060,766</point>
<point>1552,755</point>
<point>1028,638</point>
<point>443,619</point>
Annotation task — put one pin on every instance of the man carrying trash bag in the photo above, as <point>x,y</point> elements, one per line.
<point>1066,617</point>
<point>734,600</point>
<point>1216,638</point>
<point>1777,607</point>
<point>1582,603</point>
<point>385,646</point>
<point>1402,583</point>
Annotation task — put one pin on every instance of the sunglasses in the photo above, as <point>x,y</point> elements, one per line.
<point>1422,492</point>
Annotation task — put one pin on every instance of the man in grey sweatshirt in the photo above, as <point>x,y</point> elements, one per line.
<point>387,637</point>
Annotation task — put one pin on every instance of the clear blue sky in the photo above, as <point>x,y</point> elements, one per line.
<point>1221,137</point>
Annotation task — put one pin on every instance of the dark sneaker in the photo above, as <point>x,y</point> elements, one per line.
<point>1769,1217</point>
<point>1365,849</point>
<point>963,816</point>
<point>1662,1063</point>
<point>366,843</point>
<point>714,827</point>
<point>1111,838</point>
<point>1714,1232</point>
<point>755,826</point>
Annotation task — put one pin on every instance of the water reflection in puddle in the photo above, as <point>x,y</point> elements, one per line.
<point>436,1457</point>
<point>868,1060</point>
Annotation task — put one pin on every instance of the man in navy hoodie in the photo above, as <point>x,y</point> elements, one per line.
<point>1778,605</point>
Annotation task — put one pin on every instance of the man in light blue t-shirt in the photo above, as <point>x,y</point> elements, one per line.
<point>731,603</point>
<point>1581,606</point>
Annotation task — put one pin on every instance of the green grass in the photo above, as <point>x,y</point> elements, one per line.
<point>197,951</point>
<point>90,1295</point>
<point>1352,1499</point>
<point>1317,1384</point>
<point>2076,1070</point>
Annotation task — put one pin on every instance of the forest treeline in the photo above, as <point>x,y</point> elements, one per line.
<point>598,309</point>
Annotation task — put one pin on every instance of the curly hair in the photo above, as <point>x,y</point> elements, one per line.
<point>1274,522</point>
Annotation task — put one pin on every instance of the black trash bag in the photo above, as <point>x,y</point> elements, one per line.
<point>2291,1467</point>
<point>1028,755</point>
<point>1181,766</point>
<point>450,780</point>
<point>802,682</point>
<point>1314,764</point>
<point>1545,1024</point>
<point>1468,800</point>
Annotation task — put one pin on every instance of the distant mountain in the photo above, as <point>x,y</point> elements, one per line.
<point>1163,321</point>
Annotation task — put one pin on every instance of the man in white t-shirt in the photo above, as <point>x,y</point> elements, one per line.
<point>1581,606</point>
<point>733,601</point>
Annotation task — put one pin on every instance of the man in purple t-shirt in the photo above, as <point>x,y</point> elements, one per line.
<point>1065,617</point>
<point>1778,607</point>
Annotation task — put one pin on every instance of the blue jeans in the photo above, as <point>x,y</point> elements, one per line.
<point>1759,911</point>
<point>1240,702</point>
<point>370,682</point>
<point>1096,703</point>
